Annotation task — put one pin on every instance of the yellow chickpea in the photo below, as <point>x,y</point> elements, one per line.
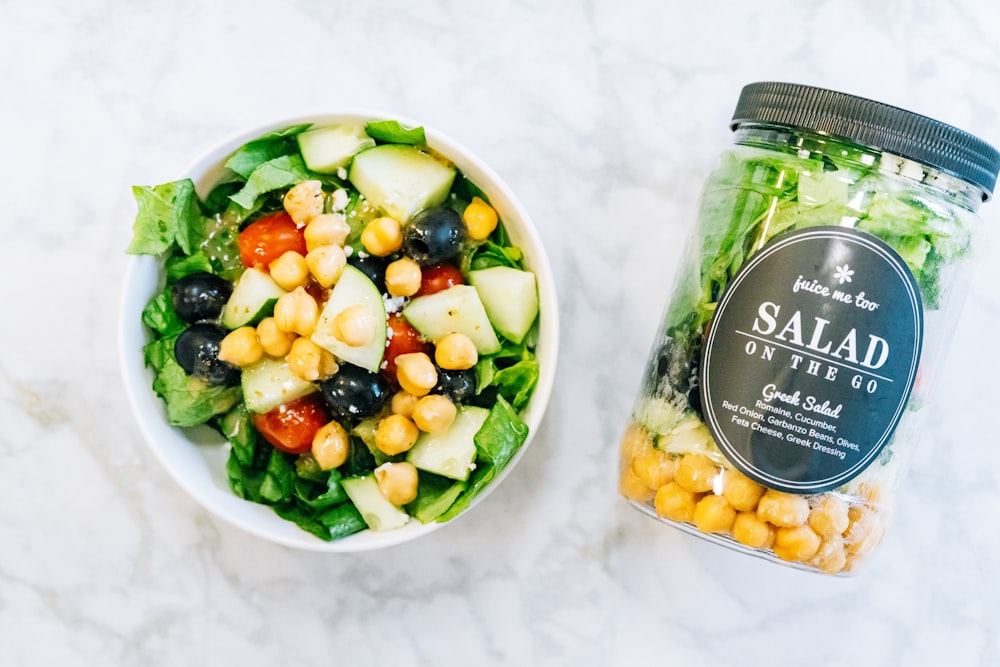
<point>304,201</point>
<point>864,531</point>
<point>309,361</point>
<point>382,237</point>
<point>635,441</point>
<point>326,229</point>
<point>696,472</point>
<point>713,514</point>
<point>654,468</point>
<point>402,277</point>
<point>480,219</point>
<point>240,347</point>
<point>296,312</point>
<point>783,509</point>
<point>326,263</point>
<point>633,488</point>
<point>674,502</point>
<point>355,325</point>
<point>831,556</point>
<point>434,413</point>
<point>828,517</point>
<point>395,434</point>
<point>330,446</point>
<point>742,492</point>
<point>748,529</point>
<point>402,403</point>
<point>275,342</point>
<point>415,373</point>
<point>289,271</point>
<point>397,482</point>
<point>796,543</point>
<point>456,352</point>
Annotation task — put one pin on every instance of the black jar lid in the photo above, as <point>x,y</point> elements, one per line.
<point>872,124</point>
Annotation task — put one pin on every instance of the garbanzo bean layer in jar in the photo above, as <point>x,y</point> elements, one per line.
<point>783,393</point>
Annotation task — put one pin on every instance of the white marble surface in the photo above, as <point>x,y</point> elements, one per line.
<point>604,117</point>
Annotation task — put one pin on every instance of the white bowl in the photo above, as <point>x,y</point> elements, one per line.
<point>196,458</point>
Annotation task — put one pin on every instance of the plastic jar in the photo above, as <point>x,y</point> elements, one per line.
<point>807,326</point>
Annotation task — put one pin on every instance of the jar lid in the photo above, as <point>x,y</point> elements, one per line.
<point>873,124</point>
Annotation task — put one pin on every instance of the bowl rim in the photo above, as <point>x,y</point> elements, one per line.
<point>147,408</point>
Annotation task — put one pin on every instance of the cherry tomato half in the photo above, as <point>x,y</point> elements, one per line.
<point>404,339</point>
<point>439,277</point>
<point>267,239</point>
<point>292,426</point>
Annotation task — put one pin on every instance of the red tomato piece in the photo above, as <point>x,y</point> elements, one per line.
<point>292,426</point>
<point>439,277</point>
<point>403,340</point>
<point>267,239</point>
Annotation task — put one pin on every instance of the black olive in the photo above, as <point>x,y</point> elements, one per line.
<point>459,386</point>
<point>371,266</point>
<point>434,235</point>
<point>200,296</point>
<point>355,393</point>
<point>197,351</point>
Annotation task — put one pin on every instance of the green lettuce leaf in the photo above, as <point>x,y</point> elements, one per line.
<point>190,401</point>
<point>168,214</point>
<point>393,132</point>
<point>251,155</point>
<point>281,172</point>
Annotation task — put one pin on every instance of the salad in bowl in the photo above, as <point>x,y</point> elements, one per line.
<point>338,332</point>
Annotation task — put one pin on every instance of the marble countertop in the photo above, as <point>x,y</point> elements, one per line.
<point>604,117</point>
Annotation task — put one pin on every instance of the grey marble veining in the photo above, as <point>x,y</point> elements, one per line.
<point>604,117</point>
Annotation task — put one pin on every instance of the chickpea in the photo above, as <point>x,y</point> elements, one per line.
<point>696,472</point>
<point>654,468</point>
<point>275,342</point>
<point>434,413</point>
<point>240,347</point>
<point>397,482</point>
<point>713,514</point>
<point>742,492</point>
<point>416,373</point>
<point>864,531</point>
<point>395,434</point>
<point>326,229</point>
<point>456,352</point>
<point>326,263</point>
<point>748,529</point>
<point>402,403</point>
<point>796,543</point>
<point>480,219</point>
<point>296,312</point>
<point>289,271</point>
<point>635,441</point>
<point>330,446</point>
<point>304,201</point>
<point>831,557</point>
<point>355,325</point>
<point>783,509</point>
<point>633,488</point>
<point>402,277</point>
<point>309,361</point>
<point>829,516</point>
<point>674,502</point>
<point>382,237</point>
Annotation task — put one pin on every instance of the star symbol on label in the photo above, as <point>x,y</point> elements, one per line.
<point>843,274</point>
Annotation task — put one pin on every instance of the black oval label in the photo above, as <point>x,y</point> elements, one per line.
<point>810,358</point>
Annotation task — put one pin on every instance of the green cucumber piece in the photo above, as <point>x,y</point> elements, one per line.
<point>457,309</point>
<point>269,383</point>
<point>401,180</point>
<point>510,297</point>
<point>253,298</point>
<point>378,513</point>
<point>328,148</point>
<point>451,453</point>
<point>353,288</point>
